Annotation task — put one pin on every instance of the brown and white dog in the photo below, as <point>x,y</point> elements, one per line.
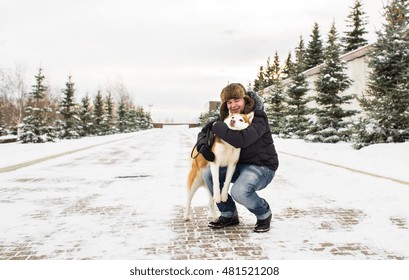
<point>225,155</point>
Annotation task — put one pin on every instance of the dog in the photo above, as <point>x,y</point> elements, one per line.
<point>225,155</point>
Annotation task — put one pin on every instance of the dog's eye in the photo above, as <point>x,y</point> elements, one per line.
<point>241,120</point>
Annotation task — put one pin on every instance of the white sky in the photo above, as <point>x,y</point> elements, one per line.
<point>175,55</point>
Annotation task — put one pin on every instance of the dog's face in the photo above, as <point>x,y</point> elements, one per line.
<point>239,121</point>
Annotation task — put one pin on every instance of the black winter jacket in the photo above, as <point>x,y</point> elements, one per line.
<point>256,142</point>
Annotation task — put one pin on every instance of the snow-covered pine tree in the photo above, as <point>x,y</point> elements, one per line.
<point>68,109</point>
<point>3,101</point>
<point>121,116</point>
<point>35,127</point>
<point>272,71</point>
<point>3,130</point>
<point>356,21</point>
<point>386,102</point>
<point>132,119</point>
<point>300,55</point>
<point>260,82</point>
<point>144,120</point>
<point>99,114</point>
<point>212,115</point>
<point>276,67</point>
<point>297,122</point>
<point>288,67</point>
<point>275,98</point>
<point>275,107</point>
<point>330,126</point>
<point>269,76</point>
<point>109,112</point>
<point>85,114</point>
<point>314,52</point>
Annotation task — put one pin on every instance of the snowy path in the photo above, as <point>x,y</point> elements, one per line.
<point>124,200</point>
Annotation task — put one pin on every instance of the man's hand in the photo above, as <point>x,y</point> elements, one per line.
<point>207,153</point>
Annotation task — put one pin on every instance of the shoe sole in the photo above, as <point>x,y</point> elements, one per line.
<point>261,230</point>
<point>227,225</point>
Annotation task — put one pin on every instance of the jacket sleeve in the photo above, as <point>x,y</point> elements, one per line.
<point>201,139</point>
<point>246,137</point>
<point>202,136</point>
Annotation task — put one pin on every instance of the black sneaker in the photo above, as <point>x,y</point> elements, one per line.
<point>263,225</point>
<point>222,222</point>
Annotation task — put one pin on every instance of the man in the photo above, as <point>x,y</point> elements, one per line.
<point>258,160</point>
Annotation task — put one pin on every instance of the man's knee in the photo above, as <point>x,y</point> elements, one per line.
<point>240,191</point>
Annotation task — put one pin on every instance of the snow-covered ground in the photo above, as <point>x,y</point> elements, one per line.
<point>115,200</point>
<point>389,160</point>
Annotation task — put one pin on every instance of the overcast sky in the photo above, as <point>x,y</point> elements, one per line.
<point>173,54</point>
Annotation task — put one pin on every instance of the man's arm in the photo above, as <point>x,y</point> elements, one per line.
<point>245,137</point>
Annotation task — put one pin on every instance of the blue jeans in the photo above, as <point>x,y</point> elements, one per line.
<point>247,179</point>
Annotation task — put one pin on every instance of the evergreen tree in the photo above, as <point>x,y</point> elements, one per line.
<point>132,119</point>
<point>331,83</point>
<point>85,114</point>
<point>3,130</point>
<point>260,82</point>
<point>109,113</point>
<point>269,76</point>
<point>35,127</point>
<point>314,53</point>
<point>121,116</point>
<point>276,67</point>
<point>300,55</point>
<point>273,71</point>
<point>99,114</point>
<point>288,67</point>
<point>357,21</point>
<point>212,115</point>
<point>68,110</point>
<point>297,121</point>
<point>275,107</point>
<point>144,120</point>
<point>3,101</point>
<point>386,102</point>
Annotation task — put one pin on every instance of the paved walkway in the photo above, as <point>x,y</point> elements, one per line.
<point>195,240</point>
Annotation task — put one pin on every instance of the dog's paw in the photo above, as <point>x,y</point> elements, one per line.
<point>217,198</point>
<point>186,216</point>
<point>224,197</point>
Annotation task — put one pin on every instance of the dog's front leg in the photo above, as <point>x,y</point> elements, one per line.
<point>227,181</point>
<point>214,168</point>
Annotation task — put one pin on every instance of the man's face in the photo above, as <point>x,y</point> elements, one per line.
<point>236,105</point>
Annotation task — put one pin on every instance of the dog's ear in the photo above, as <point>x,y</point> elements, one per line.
<point>250,116</point>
